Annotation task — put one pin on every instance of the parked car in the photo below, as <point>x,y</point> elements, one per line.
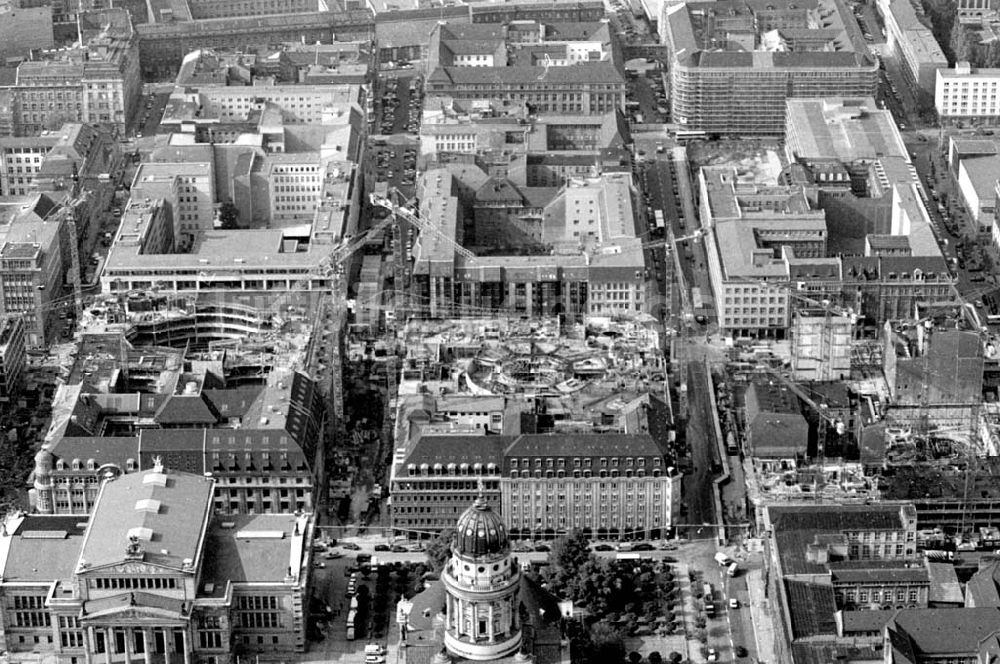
<point>604,547</point>
<point>382,547</point>
<point>350,546</point>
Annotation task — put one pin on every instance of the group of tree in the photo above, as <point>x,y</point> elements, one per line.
<point>606,587</point>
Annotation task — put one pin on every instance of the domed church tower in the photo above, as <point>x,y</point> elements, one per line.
<point>482,588</point>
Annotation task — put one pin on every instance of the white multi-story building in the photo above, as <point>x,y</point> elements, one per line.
<point>964,93</point>
<point>912,42</point>
<point>21,159</point>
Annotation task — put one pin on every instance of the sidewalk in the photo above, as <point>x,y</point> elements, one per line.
<point>691,612</point>
<point>760,614</point>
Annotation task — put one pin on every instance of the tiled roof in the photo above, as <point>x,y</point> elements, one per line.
<point>591,73</point>
<point>585,445</point>
<point>458,449</point>
<point>942,632</point>
<point>187,409</point>
<point>811,607</point>
<point>983,589</point>
<point>840,518</point>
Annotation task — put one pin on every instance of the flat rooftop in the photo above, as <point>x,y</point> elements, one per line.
<point>846,129</point>
<point>262,548</point>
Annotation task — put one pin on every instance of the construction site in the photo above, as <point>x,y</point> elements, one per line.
<point>915,418</point>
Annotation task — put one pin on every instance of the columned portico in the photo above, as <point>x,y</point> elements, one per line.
<point>124,644</point>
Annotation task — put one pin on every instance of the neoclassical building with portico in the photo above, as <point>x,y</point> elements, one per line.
<point>152,577</point>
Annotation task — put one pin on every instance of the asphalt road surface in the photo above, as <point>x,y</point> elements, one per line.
<point>697,486</point>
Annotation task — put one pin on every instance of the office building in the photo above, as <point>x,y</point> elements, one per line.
<point>762,240</point>
<point>573,251</point>
<point>285,156</point>
<point>974,162</point>
<point>98,82</point>
<point>853,133</point>
<point>163,45</point>
<point>161,11</point>
<point>12,356</point>
<point>840,571</point>
<point>20,159</point>
<point>909,40</point>
<point>37,256</point>
<point>124,406</point>
<point>151,573</point>
<point>734,64</point>
<point>614,486</point>
<point>964,94</point>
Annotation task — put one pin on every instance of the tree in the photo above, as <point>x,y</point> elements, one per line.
<point>229,215</point>
<point>634,657</point>
<point>675,657</point>
<point>607,643</point>
<point>655,657</point>
<point>439,549</point>
<point>571,552</point>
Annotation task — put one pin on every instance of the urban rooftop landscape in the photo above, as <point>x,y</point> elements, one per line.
<point>534,331</point>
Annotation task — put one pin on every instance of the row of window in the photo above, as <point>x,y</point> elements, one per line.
<point>115,583</point>
<point>587,462</point>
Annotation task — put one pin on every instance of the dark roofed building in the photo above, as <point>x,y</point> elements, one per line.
<point>983,589</point>
<point>589,89</point>
<point>777,432</point>
<point>834,560</point>
<point>919,636</point>
<point>260,440</point>
<point>438,472</point>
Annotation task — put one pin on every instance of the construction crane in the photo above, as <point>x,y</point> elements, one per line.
<point>405,211</point>
<point>820,409</point>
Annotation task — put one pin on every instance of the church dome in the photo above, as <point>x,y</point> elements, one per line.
<point>480,532</point>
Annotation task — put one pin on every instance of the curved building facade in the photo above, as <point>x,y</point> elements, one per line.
<point>482,585</point>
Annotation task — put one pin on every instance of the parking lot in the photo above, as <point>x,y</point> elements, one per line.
<point>396,164</point>
<point>399,106</point>
<point>147,118</point>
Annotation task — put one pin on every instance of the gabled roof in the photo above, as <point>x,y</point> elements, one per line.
<point>983,589</point>
<point>187,409</point>
<point>499,189</point>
